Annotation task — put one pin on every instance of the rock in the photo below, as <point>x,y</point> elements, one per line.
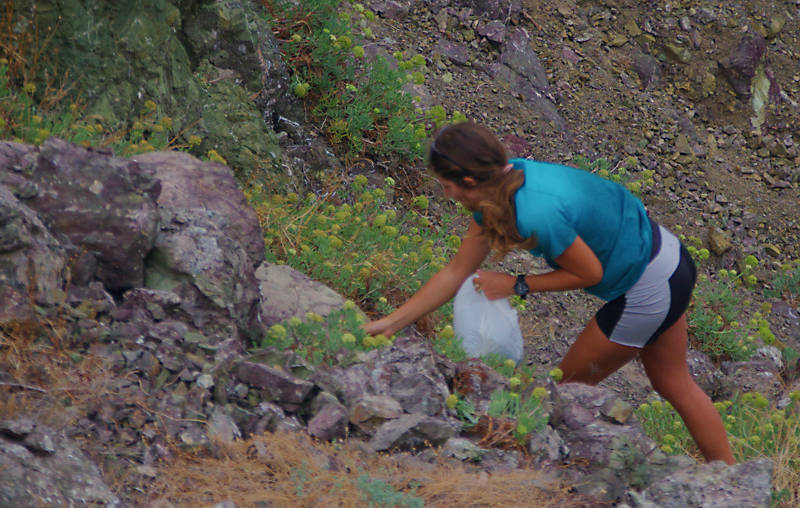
<point>39,464</point>
<point>520,57</point>
<point>32,262</point>
<point>615,456</point>
<point>462,449</point>
<point>457,53</point>
<point>287,293</point>
<point>392,9</point>
<point>188,183</point>
<point>678,53</point>
<point>760,376</point>
<point>329,423</point>
<point>222,426</point>
<point>547,446</point>
<point>772,250</point>
<point>371,411</point>
<point>411,432</point>
<point>407,371</point>
<point>707,376</point>
<point>719,241</point>
<point>494,30</point>
<point>743,485</point>
<point>277,385</point>
<point>739,66</point>
<point>647,68</point>
<point>111,221</point>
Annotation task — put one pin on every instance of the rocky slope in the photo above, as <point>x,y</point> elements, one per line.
<point>169,291</point>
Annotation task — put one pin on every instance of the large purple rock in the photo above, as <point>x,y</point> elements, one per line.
<point>101,207</point>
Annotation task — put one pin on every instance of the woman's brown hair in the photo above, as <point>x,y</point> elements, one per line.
<point>470,150</point>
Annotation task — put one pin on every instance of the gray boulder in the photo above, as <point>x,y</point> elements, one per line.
<point>287,293</point>
<point>202,251</point>
<point>40,467</point>
<point>615,452</point>
<point>746,485</point>
<point>32,262</point>
<point>102,208</point>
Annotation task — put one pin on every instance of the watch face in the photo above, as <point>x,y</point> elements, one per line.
<point>521,287</point>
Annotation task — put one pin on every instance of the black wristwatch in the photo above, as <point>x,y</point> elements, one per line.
<point>521,288</point>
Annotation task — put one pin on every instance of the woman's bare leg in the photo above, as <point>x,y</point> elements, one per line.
<point>665,364</point>
<point>593,357</point>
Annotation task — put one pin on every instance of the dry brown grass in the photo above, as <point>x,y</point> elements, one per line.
<point>293,470</point>
<point>43,380</point>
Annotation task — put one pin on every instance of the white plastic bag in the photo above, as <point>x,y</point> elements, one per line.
<point>486,326</point>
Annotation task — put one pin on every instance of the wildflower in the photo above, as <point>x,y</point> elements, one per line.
<point>381,340</point>
<point>703,253</point>
<point>539,392</point>
<point>447,332</point>
<point>453,241</point>
<point>367,34</point>
<point>676,425</point>
<point>755,440</point>
<point>369,15</point>
<point>451,401</point>
<point>368,341</point>
<point>277,332</point>
<point>644,407</point>
<point>382,300</point>
<point>379,194</point>
<point>301,89</point>
<point>751,261</point>
<point>669,438</point>
<point>723,273</point>
<point>760,401</point>
<point>194,140</point>
<point>358,51</point>
<point>166,122</point>
<point>214,156</point>
<point>514,382</point>
<point>348,338</point>
<point>509,363</point>
<point>420,202</point>
<point>777,417</point>
<point>349,305</point>
<point>557,374</point>
<point>521,429</point>
<point>29,88</point>
<point>344,42</point>
<point>36,119</point>
<point>314,317</point>
<point>336,242</point>
<point>666,449</point>
<point>657,405</point>
<point>379,221</point>
<point>730,419</point>
<point>294,321</point>
<point>296,38</point>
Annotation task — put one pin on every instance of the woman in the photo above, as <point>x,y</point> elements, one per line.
<point>596,236</point>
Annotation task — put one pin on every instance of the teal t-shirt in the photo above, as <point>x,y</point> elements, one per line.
<point>556,203</point>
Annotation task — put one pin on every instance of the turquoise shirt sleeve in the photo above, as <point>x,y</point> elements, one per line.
<point>547,221</point>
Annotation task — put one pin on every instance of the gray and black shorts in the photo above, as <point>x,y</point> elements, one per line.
<point>657,300</point>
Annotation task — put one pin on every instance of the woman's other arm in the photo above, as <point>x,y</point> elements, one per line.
<point>440,288</point>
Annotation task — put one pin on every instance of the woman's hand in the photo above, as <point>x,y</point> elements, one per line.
<point>494,285</point>
<point>380,327</point>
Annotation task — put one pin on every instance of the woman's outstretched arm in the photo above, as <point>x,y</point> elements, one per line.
<point>440,288</point>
